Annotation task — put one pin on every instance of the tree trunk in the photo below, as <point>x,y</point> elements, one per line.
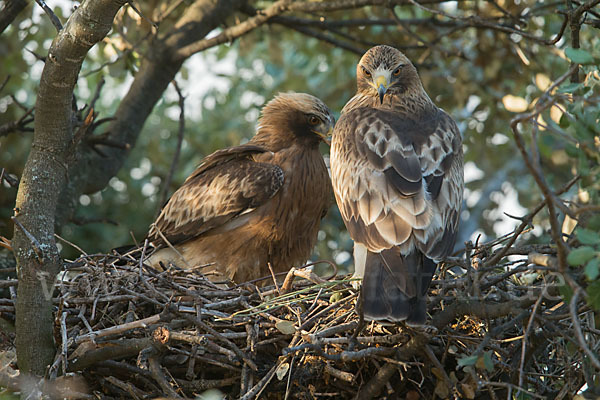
<point>11,9</point>
<point>44,176</point>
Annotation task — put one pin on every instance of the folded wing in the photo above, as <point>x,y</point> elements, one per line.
<point>399,179</point>
<point>227,184</point>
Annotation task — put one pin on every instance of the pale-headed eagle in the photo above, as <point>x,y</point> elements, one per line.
<point>397,172</point>
<point>256,203</point>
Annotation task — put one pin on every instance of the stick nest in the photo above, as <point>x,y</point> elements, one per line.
<point>497,326</point>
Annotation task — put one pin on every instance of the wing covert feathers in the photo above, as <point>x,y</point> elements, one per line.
<point>398,183</point>
<point>228,183</point>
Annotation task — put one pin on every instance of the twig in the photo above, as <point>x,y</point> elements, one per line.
<point>373,387</point>
<point>19,125</point>
<point>343,375</point>
<point>5,82</point>
<point>114,330</point>
<point>323,37</point>
<point>232,33</point>
<point>128,387</point>
<point>475,21</point>
<point>148,20</point>
<point>577,328</point>
<point>344,356</point>
<point>168,243</point>
<point>526,335</point>
<point>431,355</point>
<point>81,251</point>
<point>543,103</point>
<point>273,277</point>
<point>526,221</point>
<point>14,182</point>
<point>159,377</point>
<point>55,21</point>
<point>259,387</point>
<point>64,344</point>
<point>219,336</point>
<point>175,161</point>
<point>37,247</point>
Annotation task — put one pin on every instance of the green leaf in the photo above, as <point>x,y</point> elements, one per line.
<point>487,361</point>
<point>592,269</point>
<point>572,150</point>
<point>593,291</point>
<point>569,88</point>
<point>594,223</point>
<point>334,298</point>
<point>566,292</point>
<point>581,255</point>
<point>579,56</point>
<point>470,360</point>
<point>587,236</point>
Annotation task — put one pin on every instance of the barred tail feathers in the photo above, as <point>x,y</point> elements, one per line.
<point>394,286</point>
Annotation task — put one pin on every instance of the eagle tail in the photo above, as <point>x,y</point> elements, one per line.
<point>395,285</point>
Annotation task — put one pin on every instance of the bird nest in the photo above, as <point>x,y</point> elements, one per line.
<point>497,326</point>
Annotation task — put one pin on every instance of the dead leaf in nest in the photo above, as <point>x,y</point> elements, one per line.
<point>286,327</point>
<point>282,370</point>
<point>412,395</point>
<point>441,389</point>
<point>468,390</point>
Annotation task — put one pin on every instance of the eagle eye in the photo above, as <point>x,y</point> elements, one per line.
<point>398,69</point>
<point>313,120</point>
<point>366,71</point>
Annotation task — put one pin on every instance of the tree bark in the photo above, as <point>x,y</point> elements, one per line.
<point>11,9</point>
<point>44,176</point>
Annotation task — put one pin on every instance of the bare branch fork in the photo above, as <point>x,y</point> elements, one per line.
<point>543,103</point>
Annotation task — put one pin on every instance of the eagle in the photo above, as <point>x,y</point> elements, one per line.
<point>397,174</point>
<point>259,203</point>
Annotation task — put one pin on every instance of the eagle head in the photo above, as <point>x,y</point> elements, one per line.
<point>296,117</point>
<point>385,70</point>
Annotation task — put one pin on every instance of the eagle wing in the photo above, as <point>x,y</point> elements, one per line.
<point>398,179</point>
<point>228,183</point>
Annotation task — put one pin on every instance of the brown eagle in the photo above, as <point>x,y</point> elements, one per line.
<point>256,203</point>
<point>397,173</point>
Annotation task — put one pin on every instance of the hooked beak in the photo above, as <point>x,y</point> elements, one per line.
<point>381,85</point>
<point>325,137</point>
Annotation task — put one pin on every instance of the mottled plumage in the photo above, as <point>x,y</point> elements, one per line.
<point>260,202</point>
<point>397,172</point>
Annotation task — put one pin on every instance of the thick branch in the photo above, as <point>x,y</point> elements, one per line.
<point>236,31</point>
<point>44,175</point>
<point>11,9</point>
